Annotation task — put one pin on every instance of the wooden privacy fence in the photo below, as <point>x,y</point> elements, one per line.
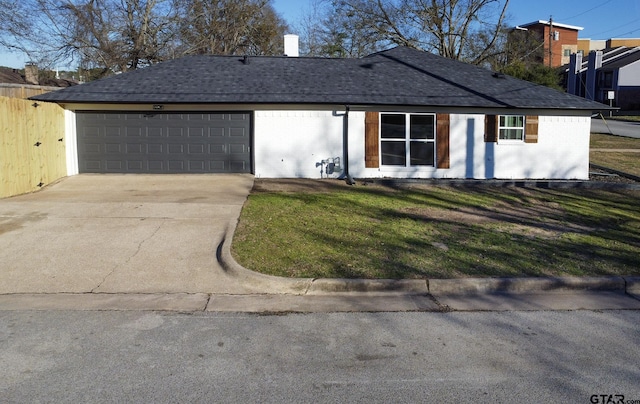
<point>32,151</point>
<point>23,90</point>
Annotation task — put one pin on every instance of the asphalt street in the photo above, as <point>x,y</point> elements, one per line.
<point>613,127</point>
<point>141,356</point>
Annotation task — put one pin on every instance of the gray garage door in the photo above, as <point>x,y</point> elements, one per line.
<point>164,142</point>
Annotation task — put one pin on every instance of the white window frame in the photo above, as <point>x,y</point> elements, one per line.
<point>407,140</point>
<point>507,127</point>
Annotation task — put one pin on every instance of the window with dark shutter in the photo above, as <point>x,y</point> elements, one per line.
<point>442,140</point>
<point>491,128</point>
<point>408,140</point>
<point>371,144</point>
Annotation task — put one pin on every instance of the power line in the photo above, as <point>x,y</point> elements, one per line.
<point>627,33</point>
<point>585,12</point>
<point>614,29</point>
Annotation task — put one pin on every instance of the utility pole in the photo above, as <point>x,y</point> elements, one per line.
<point>551,41</point>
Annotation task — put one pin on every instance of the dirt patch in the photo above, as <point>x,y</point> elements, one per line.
<point>297,185</point>
<point>539,221</point>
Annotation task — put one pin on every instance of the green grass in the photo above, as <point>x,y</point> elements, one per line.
<point>440,232</point>
<point>634,118</point>
<point>628,162</point>
<point>600,141</point>
<point>625,162</point>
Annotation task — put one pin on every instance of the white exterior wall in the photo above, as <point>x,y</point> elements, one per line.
<point>71,142</point>
<point>562,151</point>
<point>288,144</point>
<point>629,75</point>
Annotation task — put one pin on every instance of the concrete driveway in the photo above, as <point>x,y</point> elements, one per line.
<point>121,234</point>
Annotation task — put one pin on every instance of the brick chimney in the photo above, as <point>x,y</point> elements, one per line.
<point>31,73</point>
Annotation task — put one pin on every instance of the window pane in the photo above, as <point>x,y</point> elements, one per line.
<point>512,121</point>
<point>392,126</point>
<point>422,127</point>
<point>393,153</point>
<point>422,153</point>
<point>511,134</point>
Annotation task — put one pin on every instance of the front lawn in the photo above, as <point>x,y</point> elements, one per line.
<point>628,162</point>
<point>323,228</point>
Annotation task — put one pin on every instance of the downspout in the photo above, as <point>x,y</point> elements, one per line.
<point>345,147</point>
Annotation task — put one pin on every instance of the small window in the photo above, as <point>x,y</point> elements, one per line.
<point>407,140</point>
<point>511,127</point>
<point>567,52</point>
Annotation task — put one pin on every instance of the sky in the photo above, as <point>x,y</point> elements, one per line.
<point>601,19</point>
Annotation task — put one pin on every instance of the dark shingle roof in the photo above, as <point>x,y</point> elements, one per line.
<point>399,76</point>
<point>632,57</point>
<point>12,76</point>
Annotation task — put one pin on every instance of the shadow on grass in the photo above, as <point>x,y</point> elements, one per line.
<point>441,232</point>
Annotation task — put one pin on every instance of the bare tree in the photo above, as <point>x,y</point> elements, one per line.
<point>230,27</point>
<point>458,29</point>
<point>12,22</point>
<point>328,31</point>
<point>111,35</point>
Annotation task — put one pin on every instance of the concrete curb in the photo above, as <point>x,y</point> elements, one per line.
<point>260,283</point>
<point>371,286</point>
<point>474,286</point>
<point>185,302</point>
<point>632,286</point>
<point>620,173</point>
<point>268,284</point>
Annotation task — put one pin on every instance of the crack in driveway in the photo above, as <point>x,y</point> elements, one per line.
<point>132,256</point>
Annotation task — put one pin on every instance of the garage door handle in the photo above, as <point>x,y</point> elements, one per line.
<point>60,140</point>
<point>37,144</point>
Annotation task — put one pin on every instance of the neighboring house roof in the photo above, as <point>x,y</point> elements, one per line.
<point>613,58</point>
<point>622,61</point>
<point>13,76</point>
<point>555,24</point>
<point>397,77</point>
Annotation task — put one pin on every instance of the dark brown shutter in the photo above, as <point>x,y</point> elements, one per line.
<point>371,133</point>
<point>490,128</point>
<point>531,129</point>
<point>442,140</point>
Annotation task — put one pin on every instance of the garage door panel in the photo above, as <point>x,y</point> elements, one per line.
<point>196,132</point>
<point>180,143</point>
<point>114,165</point>
<point>237,148</point>
<point>196,149</point>
<point>111,131</point>
<point>93,165</point>
<point>134,148</point>
<point>112,148</point>
<point>237,165</point>
<point>135,165</point>
<point>155,132</point>
<point>92,148</point>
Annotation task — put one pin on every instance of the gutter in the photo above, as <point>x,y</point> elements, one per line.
<point>345,147</point>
